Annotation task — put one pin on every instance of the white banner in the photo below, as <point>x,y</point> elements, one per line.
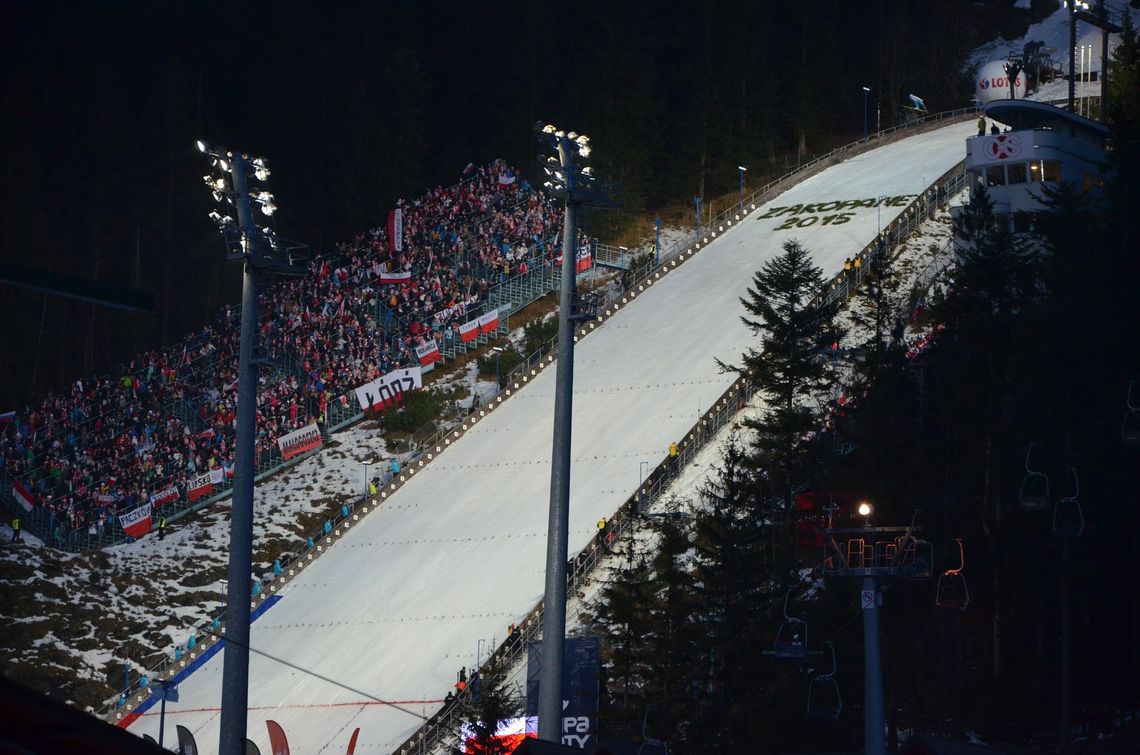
<point>300,441</point>
<point>385,391</point>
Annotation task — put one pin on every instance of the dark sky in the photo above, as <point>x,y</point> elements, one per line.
<point>358,103</point>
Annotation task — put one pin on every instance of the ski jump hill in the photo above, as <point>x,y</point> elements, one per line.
<point>371,633</point>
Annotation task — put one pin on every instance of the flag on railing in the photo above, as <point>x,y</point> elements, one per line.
<point>507,177</point>
<point>228,468</point>
<point>428,353</point>
<point>300,441</point>
<point>469,331</point>
<point>585,260</point>
<point>396,229</point>
<point>199,487</point>
<point>386,391</point>
<point>217,476</point>
<point>164,497</point>
<point>136,522</point>
<point>23,496</point>
<point>489,321</point>
<point>7,417</point>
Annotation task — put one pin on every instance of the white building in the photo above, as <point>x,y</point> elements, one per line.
<point>1042,145</point>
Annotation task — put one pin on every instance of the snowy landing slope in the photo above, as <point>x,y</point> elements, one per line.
<point>398,604</point>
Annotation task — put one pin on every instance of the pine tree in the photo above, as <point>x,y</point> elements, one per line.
<point>489,701</point>
<point>734,577</point>
<point>783,306</point>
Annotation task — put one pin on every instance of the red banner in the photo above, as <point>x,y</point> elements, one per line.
<point>396,230</point>
<point>585,260</point>
<point>428,353</point>
<point>136,522</point>
<point>300,441</point>
<point>163,497</point>
<point>23,496</point>
<point>489,321</point>
<point>469,331</point>
<point>199,487</point>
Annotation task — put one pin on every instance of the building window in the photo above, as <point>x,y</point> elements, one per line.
<point>995,175</point>
<point>1035,171</point>
<point>1016,173</point>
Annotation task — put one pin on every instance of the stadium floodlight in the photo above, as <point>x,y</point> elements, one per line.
<point>576,185</point>
<point>261,252</point>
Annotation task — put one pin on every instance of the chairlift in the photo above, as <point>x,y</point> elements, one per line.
<point>916,557</point>
<point>1068,519</point>
<point>952,591</point>
<point>1034,495</point>
<point>824,701</point>
<point>1130,427</point>
<point>791,638</point>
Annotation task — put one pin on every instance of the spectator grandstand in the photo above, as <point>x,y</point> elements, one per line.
<point>107,444</point>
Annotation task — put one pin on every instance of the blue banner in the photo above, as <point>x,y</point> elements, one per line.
<point>579,690</point>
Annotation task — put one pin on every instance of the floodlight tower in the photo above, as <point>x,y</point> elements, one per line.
<point>577,186</point>
<point>261,252</point>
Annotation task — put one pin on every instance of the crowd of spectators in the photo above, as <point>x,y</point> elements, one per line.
<point>106,444</point>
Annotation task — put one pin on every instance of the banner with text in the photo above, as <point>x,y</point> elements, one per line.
<point>396,229</point>
<point>386,391</point>
<point>579,690</point>
<point>136,522</point>
<point>300,441</point>
<point>428,353</point>
<point>163,497</point>
<point>199,487</point>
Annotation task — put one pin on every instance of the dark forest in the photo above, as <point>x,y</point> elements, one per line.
<point>357,104</point>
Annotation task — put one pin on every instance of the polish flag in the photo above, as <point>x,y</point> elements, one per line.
<point>199,487</point>
<point>23,496</point>
<point>136,522</point>
<point>428,353</point>
<point>164,496</point>
<point>469,331</point>
<point>403,277</point>
<point>489,321</point>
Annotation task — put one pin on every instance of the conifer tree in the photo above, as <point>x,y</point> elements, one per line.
<point>489,700</point>
<point>785,309</point>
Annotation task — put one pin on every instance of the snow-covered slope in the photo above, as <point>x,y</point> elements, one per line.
<point>397,605</point>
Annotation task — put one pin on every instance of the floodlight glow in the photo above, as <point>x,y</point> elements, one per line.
<point>269,208</point>
<point>202,146</point>
<point>224,165</point>
<point>584,150</point>
<point>864,509</point>
<point>548,128</point>
<point>572,136</point>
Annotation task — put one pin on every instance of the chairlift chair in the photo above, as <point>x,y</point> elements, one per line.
<point>916,557</point>
<point>824,701</point>
<point>1068,519</point>
<point>1034,495</point>
<point>952,592</point>
<point>1130,427</point>
<point>792,636</point>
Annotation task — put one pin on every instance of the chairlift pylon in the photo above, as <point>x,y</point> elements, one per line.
<point>1130,427</point>
<point>1068,519</point>
<point>792,636</point>
<point>952,592</point>
<point>824,700</point>
<point>1034,494</point>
